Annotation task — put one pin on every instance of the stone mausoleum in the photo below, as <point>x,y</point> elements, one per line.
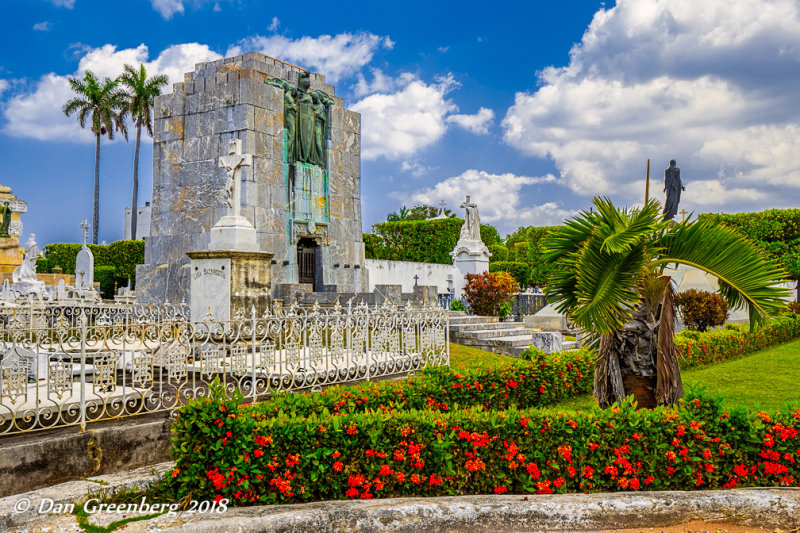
<point>301,193</point>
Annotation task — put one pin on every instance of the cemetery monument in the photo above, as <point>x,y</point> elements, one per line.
<point>672,187</point>
<point>470,256</point>
<point>11,208</point>
<point>297,165</point>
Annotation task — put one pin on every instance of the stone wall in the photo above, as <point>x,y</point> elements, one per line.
<point>384,272</point>
<point>229,99</point>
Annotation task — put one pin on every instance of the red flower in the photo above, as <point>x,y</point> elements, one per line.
<point>338,466</point>
<point>500,490</point>
<point>335,454</point>
<point>634,484</point>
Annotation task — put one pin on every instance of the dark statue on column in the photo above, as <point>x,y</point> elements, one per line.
<point>672,187</point>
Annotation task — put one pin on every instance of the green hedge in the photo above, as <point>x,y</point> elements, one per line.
<point>425,241</point>
<point>524,246</point>
<point>695,348</point>
<point>121,256</point>
<point>520,271</point>
<point>227,450</point>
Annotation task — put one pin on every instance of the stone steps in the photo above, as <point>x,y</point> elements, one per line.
<point>492,333</point>
<point>457,328</point>
<point>487,333</point>
<point>460,320</point>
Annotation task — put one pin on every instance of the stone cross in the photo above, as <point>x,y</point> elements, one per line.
<point>233,163</point>
<point>85,226</point>
<point>443,204</point>
<point>683,214</point>
<point>416,279</point>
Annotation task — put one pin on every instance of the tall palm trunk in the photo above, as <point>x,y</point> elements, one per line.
<point>135,199</point>
<point>96,210</point>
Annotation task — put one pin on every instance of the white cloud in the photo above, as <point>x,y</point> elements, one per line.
<point>497,196</point>
<point>168,8</point>
<point>42,26</point>
<point>381,83</point>
<point>69,4</point>
<point>416,168</point>
<point>711,84</point>
<point>477,123</point>
<point>3,86</point>
<point>396,125</point>
<point>274,24</point>
<point>38,114</point>
<point>335,56</point>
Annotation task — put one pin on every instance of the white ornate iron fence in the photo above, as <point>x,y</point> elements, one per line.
<point>76,372</point>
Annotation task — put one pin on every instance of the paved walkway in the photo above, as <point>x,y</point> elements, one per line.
<point>744,510</point>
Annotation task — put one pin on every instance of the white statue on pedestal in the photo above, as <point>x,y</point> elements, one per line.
<point>470,256</point>
<point>24,276</point>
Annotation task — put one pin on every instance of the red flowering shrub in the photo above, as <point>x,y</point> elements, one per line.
<point>476,451</point>
<point>718,345</point>
<point>701,310</point>
<point>486,292</point>
<point>541,380</point>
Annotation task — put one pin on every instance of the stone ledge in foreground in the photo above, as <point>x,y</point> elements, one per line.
<point>767,508</point>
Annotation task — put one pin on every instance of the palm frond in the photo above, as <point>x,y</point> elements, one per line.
<point>640,226</point>
<point>747,277</point>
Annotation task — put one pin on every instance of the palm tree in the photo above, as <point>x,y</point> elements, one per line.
<point>402,214</point>
<point>608,278</point>
<point>141,93</point>
<point>104,105</point>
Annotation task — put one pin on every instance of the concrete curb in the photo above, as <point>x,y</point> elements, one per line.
<point>774,508</point>
<point>767,508</point>
<point>75,491</point>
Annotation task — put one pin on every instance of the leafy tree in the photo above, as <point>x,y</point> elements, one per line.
<point>425,212</point>
<point>776,231</point>
<point>141,93</point>
<point>608,278</point>
<point>103,104</point>
<point>418,212</point>
<point>525,246</point>
<point>486,292</point>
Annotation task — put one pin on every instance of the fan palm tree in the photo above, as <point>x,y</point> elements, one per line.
<point>103,104</point>
<point>141,93</point>
<point>608,278</point>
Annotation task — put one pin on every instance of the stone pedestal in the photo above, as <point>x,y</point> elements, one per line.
<point>225,282</point>
<point>10,257</point>
<point>469,257</point>
<point>233,233</point>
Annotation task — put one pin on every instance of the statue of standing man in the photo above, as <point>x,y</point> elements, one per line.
<point>672,187</point>
<point>5,219</point>
<point>471,229</point>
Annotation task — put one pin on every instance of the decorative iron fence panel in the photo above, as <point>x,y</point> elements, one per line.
<point>76,372</point>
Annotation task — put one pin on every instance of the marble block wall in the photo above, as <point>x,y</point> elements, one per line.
<point>224,100</point>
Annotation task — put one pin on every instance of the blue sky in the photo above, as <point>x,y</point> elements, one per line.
<point>530,107</point>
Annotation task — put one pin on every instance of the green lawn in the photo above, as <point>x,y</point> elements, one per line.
<point>769,379</point>
<point>462,356</point>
